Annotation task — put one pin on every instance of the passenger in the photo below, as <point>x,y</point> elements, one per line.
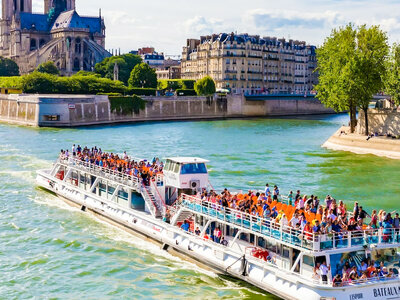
<point>197,231</point>
<point>224,242</point>
<point>276,193</point>
<point>324,272</point>
<point>337,281</point>
<point>185,226</point>
<point>290,198</point>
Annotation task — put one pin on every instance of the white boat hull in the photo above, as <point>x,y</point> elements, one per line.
<point>220,258</point>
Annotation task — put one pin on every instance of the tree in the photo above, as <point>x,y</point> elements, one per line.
<point>48,67</point>
<point>8,67</point>
<point>371,56</point>
<point>125,63</point>
<point>392,78</point>
<point>205,86</point>
<point>143,76</point>
<point>350,66</point>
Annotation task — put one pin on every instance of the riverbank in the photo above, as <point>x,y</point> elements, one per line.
<point>83,110</point>
<point>345,141</point>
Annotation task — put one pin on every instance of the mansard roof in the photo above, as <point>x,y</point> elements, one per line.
<point>71,20</point>
<point>31,21</point>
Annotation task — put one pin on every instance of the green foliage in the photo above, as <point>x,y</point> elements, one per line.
<point>175,84</point>
<point>110,94</point>
<point>48,67</point>
<point>125,62</point>
<point>127,105</point>
<point>141,91</point>
<point>8,67</point>
<point>181,92</point>
<point>351,66</point>
<point>205,86</point>
<point>42,83</point>
<point>11,82</point>
<point>37,82</point>
<point>392,78</point>
<point>86,73</point>
<point>143,76</point>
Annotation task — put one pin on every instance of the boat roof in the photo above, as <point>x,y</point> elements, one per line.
<point>188,160</point>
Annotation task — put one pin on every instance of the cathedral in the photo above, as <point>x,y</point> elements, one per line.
<point>61,35</point>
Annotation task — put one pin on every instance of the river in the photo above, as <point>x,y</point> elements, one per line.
<point>49,250</point>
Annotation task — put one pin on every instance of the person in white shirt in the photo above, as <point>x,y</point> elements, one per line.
<point>331,215</point>
<point>324,272</point>
<point>284,220</point>
<point>294,221</point>
<point>267,192</point>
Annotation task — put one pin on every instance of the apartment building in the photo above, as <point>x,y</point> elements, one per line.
<point>249,64</point>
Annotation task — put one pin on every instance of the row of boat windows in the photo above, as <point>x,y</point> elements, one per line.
<point>194,168</point>
<point>103,189</point>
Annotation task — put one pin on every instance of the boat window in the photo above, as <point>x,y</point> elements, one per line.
<point>338,260</point>
<point>102,188</point>
<point>122,194</point>
<point>286,252</point>
<point>176,168</point>
<point>194,169</point>
<point>167,165</point>
<point>308,260</point>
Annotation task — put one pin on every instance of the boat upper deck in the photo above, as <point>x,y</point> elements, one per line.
<point>315,242</point>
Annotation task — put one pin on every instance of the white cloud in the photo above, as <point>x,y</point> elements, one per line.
<point>200,25</point>
<point>279,18</point>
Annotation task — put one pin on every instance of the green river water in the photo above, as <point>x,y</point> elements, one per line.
<point>49,250</point>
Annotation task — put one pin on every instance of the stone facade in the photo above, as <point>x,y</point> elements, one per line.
<point>250,64</point>
<point>60,35</point>
<point>382,121</point>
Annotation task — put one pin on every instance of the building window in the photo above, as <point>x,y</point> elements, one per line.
<point>33,44</point>
<point>76,64</point>
<point>42,42</point>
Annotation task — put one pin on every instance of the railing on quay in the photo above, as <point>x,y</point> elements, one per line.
<point>294,236</point>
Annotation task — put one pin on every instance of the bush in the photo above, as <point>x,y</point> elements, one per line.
<point>141,91</point>
<point>11,82</point>
<point>181,92</point>
<point>50,84</point>
<point>175,84</point>
<point>48,67</point>
<point>8,67</point>
<point>126,105</point>
<point>40,83</point>
<point>111,94</point>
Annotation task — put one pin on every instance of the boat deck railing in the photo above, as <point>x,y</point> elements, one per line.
<point>107,173</point>
<point>388,237</point>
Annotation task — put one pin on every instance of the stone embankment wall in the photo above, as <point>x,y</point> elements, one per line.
<point>380,120</point>
<point>80,110</point>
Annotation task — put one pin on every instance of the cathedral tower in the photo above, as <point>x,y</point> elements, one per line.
<point>58,5</point>
<point>14,7</point>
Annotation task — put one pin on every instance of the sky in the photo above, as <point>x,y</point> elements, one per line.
<point>166,24</point>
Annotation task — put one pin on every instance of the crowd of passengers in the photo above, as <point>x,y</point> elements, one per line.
<point>143,169</point>
<point>367,270</point>
<point>306,214</point>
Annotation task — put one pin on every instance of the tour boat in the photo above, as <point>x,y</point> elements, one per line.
<point>275,258</point>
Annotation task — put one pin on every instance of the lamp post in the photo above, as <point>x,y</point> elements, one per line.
<point>143,82</point>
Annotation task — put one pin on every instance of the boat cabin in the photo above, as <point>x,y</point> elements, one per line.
<point>187,175</point>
